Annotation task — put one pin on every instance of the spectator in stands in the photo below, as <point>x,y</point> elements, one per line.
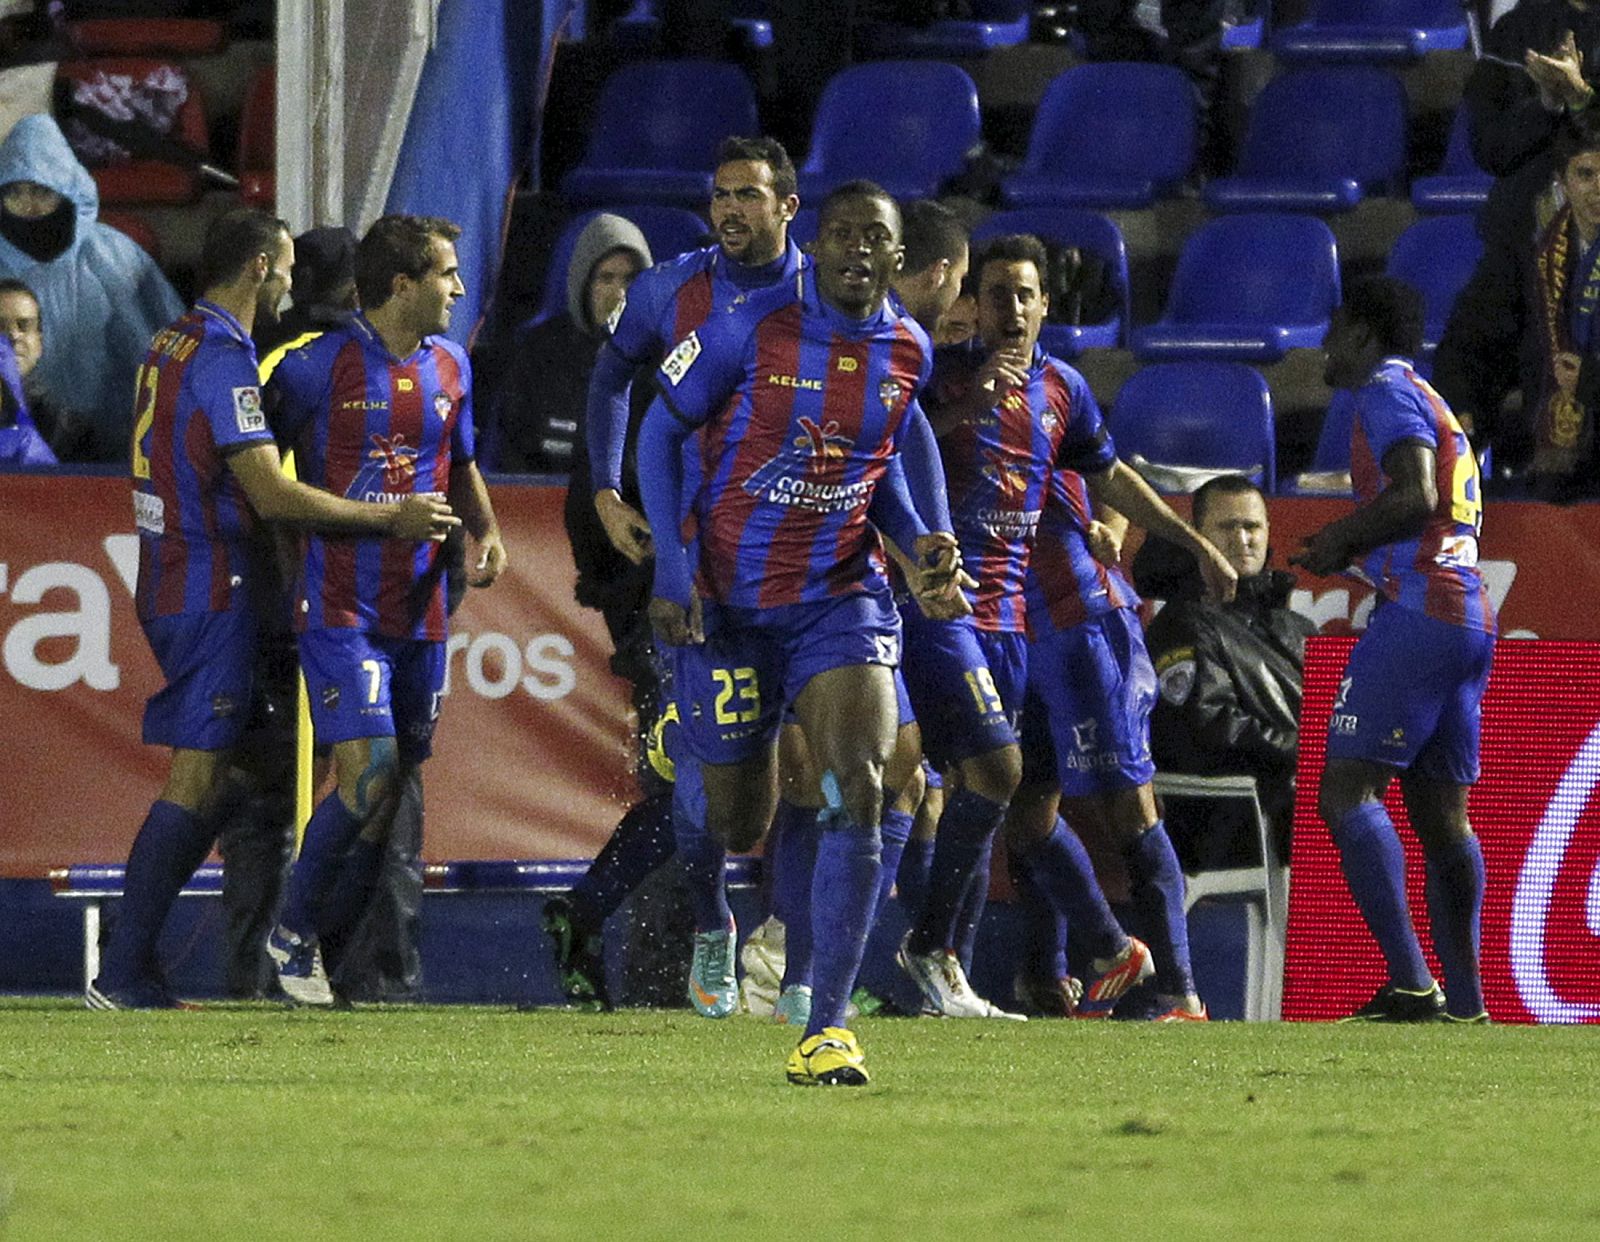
<point>1528,319</point>
<point>1229,673</point>
<point>103,296</point>
<point>324,289</point>
<point>66,431</point>
<point>20,441</point>
<point>540,413</point>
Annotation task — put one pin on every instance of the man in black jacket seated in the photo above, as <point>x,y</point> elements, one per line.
<point>1229,673</point>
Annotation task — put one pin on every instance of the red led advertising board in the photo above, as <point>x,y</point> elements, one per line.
<point>1536,815</point>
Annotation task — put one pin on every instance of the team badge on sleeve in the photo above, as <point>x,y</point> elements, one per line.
<point>681,359</point>
<point>1175,673</point>
<point>247,411</point>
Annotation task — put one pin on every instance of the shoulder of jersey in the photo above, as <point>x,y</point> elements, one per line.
<point>674,271</point>
<point>298,350</point>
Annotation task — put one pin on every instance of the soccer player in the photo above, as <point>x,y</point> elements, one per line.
<point>1410,698</point>
<point>204,468</point>
<point>1019,419</point>
<point>380,408</point>
<point>936,257</point>
<point>806,398</point>
<point>752,202</point>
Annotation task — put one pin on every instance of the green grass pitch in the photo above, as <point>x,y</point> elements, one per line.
<point>384,1124</point>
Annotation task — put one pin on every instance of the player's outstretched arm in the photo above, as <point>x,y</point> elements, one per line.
<point>1398,512</point>
<point>471,497</point>
<point>278,498</point>
<point>1124,490</point>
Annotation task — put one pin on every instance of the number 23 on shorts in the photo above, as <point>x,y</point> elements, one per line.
<point>738,695</point>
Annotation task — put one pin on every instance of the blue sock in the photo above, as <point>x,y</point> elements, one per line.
<point>911,882</point>
<point>1155,883</point>
<point>843,891</point>
<point>171,844</point>
<point>973,902</point>
<point>969,820</point>
<point>895,832</point>
<point>1455,908</point>
<point>641,843</point>
<point>351,891</point>
<point>1061,867</point>
<point>1374,867</point>
<point>705,868</point>
<point>328,836</point>
<point>794,864</point>
<point>1043,953</point>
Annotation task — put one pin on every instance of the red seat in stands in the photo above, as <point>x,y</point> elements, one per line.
<point>136,227</point>
<point>258,140</point>
<point>146,36</point>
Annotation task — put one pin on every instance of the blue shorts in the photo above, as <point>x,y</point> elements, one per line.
<point>1097,686</point>
<point>966,685</point>
<point>207,659</point>
<point>1412,694</point>
<point>369,685</point>
<point>731,689</point>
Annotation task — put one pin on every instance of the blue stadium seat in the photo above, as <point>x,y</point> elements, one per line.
<point>1106,136</point>
<point>1248,288</point>
<point>1436,256</point>
<point>1250,32</point>
<point>1200,416</point>
<point>1319,140</point>
<point>656,130</point>
<point>994,23</point>
<point>1063,226</point>
<point>906,124</point>
<point>1370,31</point>
<point>669,230</point>
<point>1459,185</point>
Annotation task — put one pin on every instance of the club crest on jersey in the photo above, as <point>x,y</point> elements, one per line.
<point>889,393</point>
<point>443,403</point>
<point>1049,421</point>
<point>247,410</point>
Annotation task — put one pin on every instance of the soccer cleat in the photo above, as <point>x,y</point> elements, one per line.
<point>1114,976</point>
<point>794,1006</point>
<point>1481,1018</point>
<point>299,964</point>
<point>830,1059</point>
<point>944,985</point>
<point>713,989</point>
<point>580,965</point>
<point>1392,1004</point>
<point>1048,998</point>
<point>146,994</point>
<point>762,958</point>
<point>1181,1013</point>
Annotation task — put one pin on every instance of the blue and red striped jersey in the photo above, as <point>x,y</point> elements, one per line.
<point>801,408</point>
<point>1066,585</point>
<point>1435,573</point>
<point>367,426</point>
<point>998,468</point>
<point>197,400</point>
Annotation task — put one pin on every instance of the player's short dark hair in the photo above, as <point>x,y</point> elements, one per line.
<point>397,246</point>
<point>1223,485</point>
<point>768,151</point>
<point>1578,136</point>
<point>1388,308</point>
<point>860,188</point>
<point>1014,248</point>
<point>234,239</point>
<point>930,231</point>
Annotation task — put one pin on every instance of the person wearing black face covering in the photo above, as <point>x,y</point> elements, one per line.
<point>1229,674</point>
